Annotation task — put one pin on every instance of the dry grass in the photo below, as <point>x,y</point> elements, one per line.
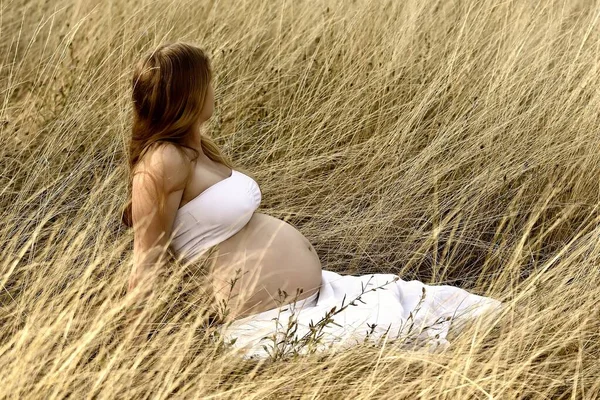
<point>449,141</point>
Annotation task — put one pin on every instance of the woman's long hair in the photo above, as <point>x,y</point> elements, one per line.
<point>169,87</point>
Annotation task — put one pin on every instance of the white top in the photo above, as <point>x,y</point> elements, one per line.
<point>216,214</point>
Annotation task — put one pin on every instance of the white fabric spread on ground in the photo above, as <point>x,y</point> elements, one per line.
<point>392,308</point>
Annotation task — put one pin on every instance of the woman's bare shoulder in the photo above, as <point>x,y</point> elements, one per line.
<point>168,162</point>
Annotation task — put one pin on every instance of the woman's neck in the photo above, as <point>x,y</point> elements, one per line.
<point>194,139</point>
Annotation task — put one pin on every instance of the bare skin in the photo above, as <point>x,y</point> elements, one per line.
<point>271,253</point>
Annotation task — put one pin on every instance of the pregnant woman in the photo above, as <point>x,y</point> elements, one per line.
<point>186,196</point>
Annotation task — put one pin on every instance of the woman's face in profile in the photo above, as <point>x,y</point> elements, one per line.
<point>209,103</point>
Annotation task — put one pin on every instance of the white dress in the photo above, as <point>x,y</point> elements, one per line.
<point>224,208</point>
<point>395,309</point>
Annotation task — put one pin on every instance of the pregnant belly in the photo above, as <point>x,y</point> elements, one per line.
<point>270,255</point>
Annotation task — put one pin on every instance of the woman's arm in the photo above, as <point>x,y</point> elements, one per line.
<point>163,174</point>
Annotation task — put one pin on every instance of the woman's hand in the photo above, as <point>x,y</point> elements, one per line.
<point>141,284</point>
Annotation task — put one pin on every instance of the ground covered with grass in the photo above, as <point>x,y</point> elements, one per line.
<point>454,142</point>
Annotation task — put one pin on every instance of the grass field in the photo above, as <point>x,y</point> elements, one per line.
<point>454,142</point>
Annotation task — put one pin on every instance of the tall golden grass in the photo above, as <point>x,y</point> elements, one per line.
<point>451,141</point>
